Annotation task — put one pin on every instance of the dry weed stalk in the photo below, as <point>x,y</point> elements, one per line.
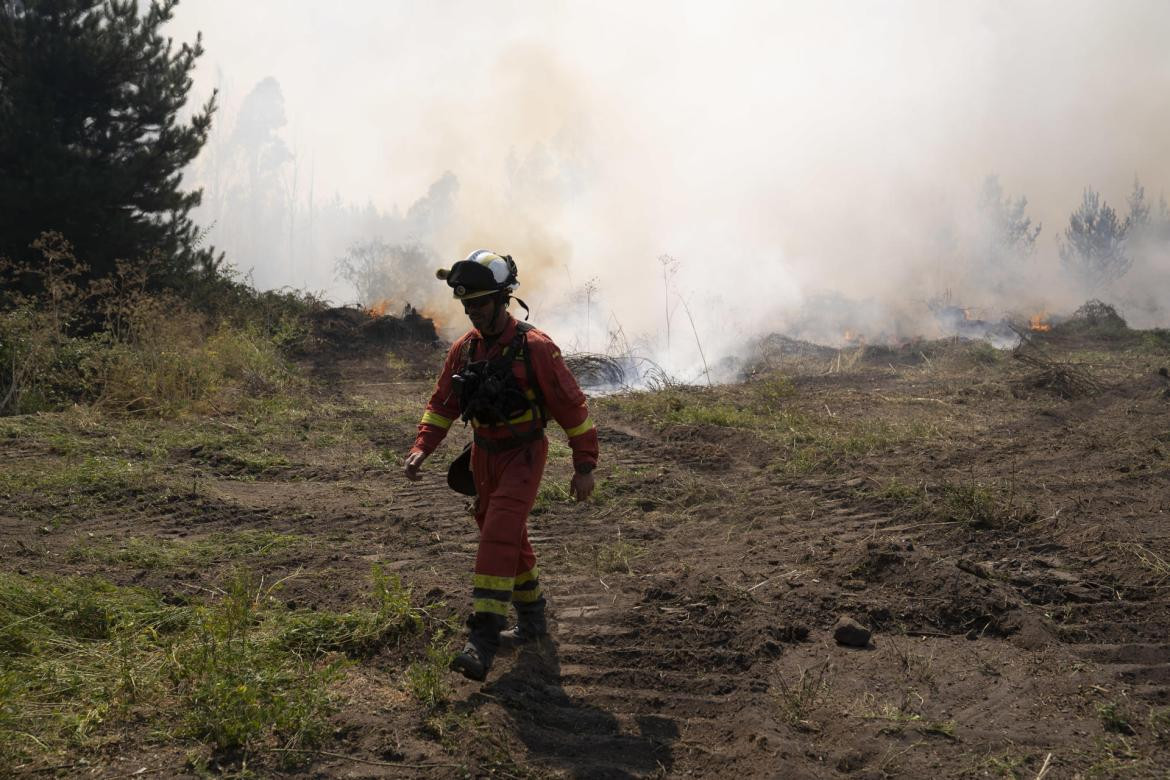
<point>798,701</point>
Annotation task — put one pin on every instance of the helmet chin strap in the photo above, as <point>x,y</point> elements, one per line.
<point>522,305</point>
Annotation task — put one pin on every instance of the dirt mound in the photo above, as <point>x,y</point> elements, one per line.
<point>775,351</point>
<point>964,598</point>
<point>351,329</point>
<point>1094,323</point>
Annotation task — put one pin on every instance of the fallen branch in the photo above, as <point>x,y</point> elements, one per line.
<point>1067,379</point>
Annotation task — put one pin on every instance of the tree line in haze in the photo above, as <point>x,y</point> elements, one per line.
<point>94,146</point>
<point>1097,247</point>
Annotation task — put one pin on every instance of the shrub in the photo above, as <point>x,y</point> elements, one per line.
<point>79,655</point>
<point>237,687</point>
<point>115,342</point>
<point>362,631</point>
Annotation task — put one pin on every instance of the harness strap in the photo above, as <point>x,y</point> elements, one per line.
<point>518,346</point>
<point>522,329</point>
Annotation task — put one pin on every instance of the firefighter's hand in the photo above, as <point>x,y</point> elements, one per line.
<point>414,462</point>
<point>581,486</point>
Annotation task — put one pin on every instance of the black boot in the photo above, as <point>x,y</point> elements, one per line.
<point>474,661</point>
<point>531,625</point>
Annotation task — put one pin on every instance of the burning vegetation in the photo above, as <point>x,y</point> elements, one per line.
<point>1038,323</point>
<point>363,329</point>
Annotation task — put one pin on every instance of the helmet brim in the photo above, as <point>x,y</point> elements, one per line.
<point>472,294</point>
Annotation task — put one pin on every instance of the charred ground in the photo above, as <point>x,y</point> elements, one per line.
<point>1004,536</point>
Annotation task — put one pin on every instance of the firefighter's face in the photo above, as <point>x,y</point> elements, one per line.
<point>479,311</point>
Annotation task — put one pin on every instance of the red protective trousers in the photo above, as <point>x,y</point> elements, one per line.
<point>505,566</point>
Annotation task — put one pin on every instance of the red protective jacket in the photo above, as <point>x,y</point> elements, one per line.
<point>563,399</point>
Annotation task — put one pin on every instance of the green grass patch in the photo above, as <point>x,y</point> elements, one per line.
<point>694,406</point>
<point>426,679</point>
<point>171,554</point>
<point>389,617</point>
<point>981,353</point>
<point>81,658</point>
<point>551,492</point>
<point>1156,341</point>
<point>238,689</point>
<point>975,505</point>
<point>74,654</point>
<point>617,556</point>
<point>75,486</point>
<point>1116,718</point>
<point>825,443</point>
<point>97,475</point>
<point>804,442</point>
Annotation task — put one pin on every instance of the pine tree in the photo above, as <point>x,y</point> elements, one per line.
<point>1148,234</point>
<point>1094,247</point>
<point>91,144</point>
<point>1007,234</point>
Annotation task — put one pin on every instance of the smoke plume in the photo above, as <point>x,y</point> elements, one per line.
<point>810,167</point>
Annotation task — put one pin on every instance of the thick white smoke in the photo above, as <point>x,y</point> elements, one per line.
<point>782,152</point>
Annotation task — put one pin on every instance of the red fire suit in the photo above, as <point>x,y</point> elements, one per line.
<point>507,479</point>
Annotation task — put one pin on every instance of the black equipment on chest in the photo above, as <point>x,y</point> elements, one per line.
<point>488,390</point>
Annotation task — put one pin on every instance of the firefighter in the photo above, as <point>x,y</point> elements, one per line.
<point>506,379</point>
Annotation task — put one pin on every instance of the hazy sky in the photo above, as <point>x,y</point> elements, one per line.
<point>775,148</point>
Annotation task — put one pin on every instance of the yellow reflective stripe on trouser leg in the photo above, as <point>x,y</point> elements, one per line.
<point>527,589</point>
<point>491,605</point>
<point>491,593</point>
<point>491,582</point>
<point>436,419</point>
<point>527,596</point>
<point>577,430</point>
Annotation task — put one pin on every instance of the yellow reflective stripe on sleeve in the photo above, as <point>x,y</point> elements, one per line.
<point>526,596</point>
<point>577,430</point>
<point>437,419</point>
<point>524,577</point>
<point>491,605</point>
<point>489,582</point>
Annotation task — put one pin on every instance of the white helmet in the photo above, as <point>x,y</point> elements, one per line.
<point>482,273</point>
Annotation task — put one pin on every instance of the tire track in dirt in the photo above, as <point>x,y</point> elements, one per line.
<point>612,695</point>
<point>626,686</point>
<point>1145,666</point>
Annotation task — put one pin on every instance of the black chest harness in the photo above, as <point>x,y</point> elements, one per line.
<point>490,394</point>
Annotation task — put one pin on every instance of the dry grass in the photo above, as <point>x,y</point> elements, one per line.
<point>796,701</point>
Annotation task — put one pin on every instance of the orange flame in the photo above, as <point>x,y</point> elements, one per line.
<point>851,336</point>
<point>378,308</point>
<point>1039,322</point>
<point>439,320</point>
